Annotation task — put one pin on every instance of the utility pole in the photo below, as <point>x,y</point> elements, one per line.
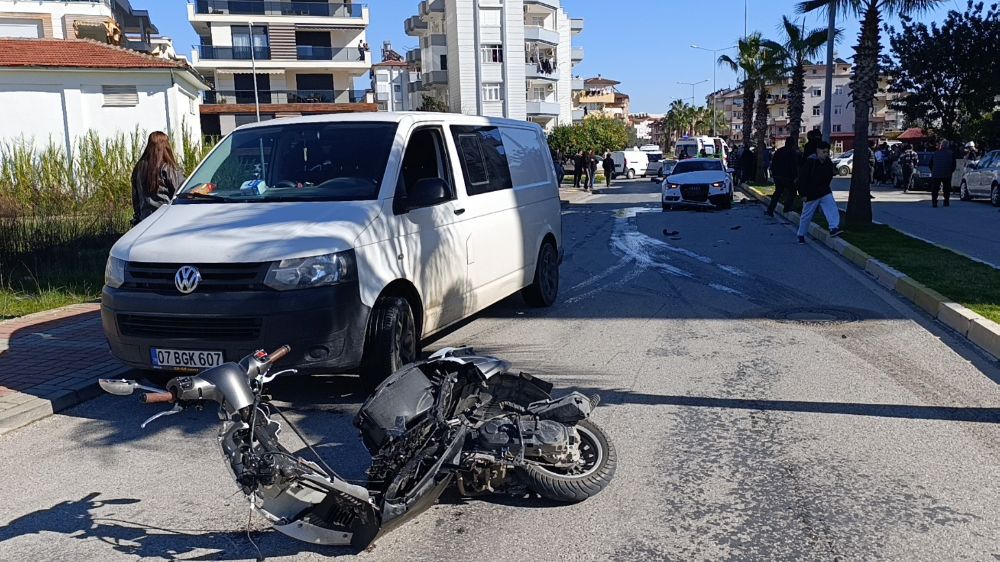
<point>828,103</point>
<point>692,84</point>
<point>715,87</point>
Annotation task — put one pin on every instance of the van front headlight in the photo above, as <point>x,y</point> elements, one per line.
<point>114,272</point>
<point>314,271</point>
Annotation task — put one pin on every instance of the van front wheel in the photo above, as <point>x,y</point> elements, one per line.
<point>391,341</point>
<point>544,290</point>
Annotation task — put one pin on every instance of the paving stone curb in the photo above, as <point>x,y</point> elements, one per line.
<point>981,331</point>
<point>62,389</point>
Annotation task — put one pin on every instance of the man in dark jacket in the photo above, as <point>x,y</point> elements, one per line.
<point>813,138</point>
<point>578,162</point>
<point>815,176</point>
<point>942,167</point>
<point>784,168</point>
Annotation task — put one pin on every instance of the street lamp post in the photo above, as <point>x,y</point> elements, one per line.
<point>828,102</point>
<point>715,88</point>
<point>692,84</point>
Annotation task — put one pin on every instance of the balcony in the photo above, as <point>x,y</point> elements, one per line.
<point>414,26</point>
<point>413,56</point>
<point>549,108</point>
<point>550,4</point>
<point>576,26</point>
<point>336,54</point>
<point>577,54</point>
<point>232,97</point>
<point>279,8</point>
<point>597,96</point>
<point>578,115</point>
<point>578,85</point>
<point>534,33</point>
<point>428,7</point>
<point>534,72</point>
<point>210,52</point>
<point>435,77</point>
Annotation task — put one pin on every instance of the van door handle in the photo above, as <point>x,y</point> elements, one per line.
<point>459,211</point>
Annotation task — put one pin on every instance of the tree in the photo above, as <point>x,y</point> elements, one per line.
<point>797,47</point>
<point>940,70</point>
<point>769,72</point>
<point>431,103</point>
<point>748,60</point>
<point>597,133</point>
<point>864,84</point>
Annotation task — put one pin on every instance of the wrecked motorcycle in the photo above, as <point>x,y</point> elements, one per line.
<point>456,417</point>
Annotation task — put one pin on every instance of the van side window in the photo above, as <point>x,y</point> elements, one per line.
<point>484,159</point>
<point>424,158</point>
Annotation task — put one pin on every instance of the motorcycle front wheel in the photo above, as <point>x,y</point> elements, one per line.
<point>597,466</point>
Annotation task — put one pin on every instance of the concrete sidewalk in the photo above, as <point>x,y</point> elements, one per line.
<point>50,361</point>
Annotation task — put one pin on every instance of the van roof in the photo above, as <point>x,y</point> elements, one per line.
<point>392,117</point>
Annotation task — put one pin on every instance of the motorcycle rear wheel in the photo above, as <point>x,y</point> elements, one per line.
<point>572,486</point>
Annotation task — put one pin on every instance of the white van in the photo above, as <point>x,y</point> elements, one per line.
<point>630,163</point>
<point>693,146</point>
<point>350,237</point>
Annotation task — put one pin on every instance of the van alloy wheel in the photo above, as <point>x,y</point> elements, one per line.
<point>964,190</point>
<point>392,340</point>
<point>544,291</point>
<point>995,195</point>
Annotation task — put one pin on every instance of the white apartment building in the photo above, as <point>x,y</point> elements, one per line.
<point>286,57</point>
<point>499,58</point>
<point>883,120</point>
<point>391,83</point>
<point>105,21</point>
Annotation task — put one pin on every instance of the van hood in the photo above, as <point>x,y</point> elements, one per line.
<point>703,176</point>
<point>245,232</point>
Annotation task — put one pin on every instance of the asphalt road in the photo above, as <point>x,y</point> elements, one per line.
<point>970,227</point>
<point>767,403</point>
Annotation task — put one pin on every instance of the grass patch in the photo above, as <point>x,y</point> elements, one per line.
<point>969,283</point>
<point>14,304</point>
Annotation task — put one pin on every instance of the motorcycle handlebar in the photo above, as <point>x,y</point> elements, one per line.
<point>277,354</point>
<point>158,398</point>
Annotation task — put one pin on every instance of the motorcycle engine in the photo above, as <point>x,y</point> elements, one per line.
<point>545,440</point>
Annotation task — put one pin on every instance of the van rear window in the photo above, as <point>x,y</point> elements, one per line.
<point>484,159</point>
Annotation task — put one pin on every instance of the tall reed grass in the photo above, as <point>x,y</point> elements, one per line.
<point>61,213</point>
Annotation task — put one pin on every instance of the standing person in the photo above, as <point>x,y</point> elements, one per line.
<point>734,162</point>
<point>768,154</point>
<point>748,165</point>
<point>815,177</point>
<point>784,168</point>
<point>155,177</point>
<point>577,168</point>
<point>908,163</point>
<point>609,168</point>
<point>942,167</point>
<point>813,138</point>
<point>880,165</point>
<point>592,161</point>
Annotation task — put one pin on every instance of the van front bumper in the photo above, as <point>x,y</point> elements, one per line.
<point>325,326</point>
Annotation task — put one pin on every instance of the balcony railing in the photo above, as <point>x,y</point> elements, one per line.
<point>227,97</point>
<point>280,8</point>
<point>338,54</point>
<point>211,52</point>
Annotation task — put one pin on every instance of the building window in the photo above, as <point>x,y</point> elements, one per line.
<point>817,92</point>
<point>489,17</point>
<point>781,112</point>
<point>26,28</point>
<point>838,90</point>
<point>397,88</point>
<point>836,128</point>
<point>382,77</point>
<point>492,92</point>
<point>444,62</point>
<point>816,111</point>
<point>492,53</point>
<point>120,96</point>
<point>838,109</point>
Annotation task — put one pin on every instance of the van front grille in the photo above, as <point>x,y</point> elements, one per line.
<point>215,277</point>
<point>188,327</point>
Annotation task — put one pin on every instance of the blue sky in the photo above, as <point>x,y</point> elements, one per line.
<point>644,44</point>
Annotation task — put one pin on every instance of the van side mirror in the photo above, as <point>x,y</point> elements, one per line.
<point>427,192</point>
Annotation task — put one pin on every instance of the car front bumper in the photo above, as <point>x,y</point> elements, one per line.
<point>711,197</point>
<point>325,326</point>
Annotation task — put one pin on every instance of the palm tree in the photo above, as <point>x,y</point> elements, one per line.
<point>796,49</point>
<point>864,83</point>
<point>770,72</point>
<point>748,60</point>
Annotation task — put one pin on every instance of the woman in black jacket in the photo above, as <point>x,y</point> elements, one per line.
<point>155,178</point>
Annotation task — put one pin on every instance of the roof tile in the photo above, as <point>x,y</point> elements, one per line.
<point>75,53</point>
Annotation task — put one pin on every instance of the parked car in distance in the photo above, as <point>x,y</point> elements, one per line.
<point>982,179</point>
<point>922,173</point>
<point>666,168</point>
<point>351,237</point>
<point>698,182</point>
<point>844,163</point>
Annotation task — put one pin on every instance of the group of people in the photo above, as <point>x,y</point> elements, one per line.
<point>810,173</point>
<point>744,163</point>
<point>585,165</point>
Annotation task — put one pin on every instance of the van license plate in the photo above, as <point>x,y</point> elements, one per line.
<point>184,359</point>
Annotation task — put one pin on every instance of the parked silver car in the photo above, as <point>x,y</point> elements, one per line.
<point>983,179</point>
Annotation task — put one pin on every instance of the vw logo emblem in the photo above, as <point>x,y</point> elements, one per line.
<point>187,279</point>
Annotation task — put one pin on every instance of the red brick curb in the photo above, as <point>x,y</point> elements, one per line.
<point>51,361</point>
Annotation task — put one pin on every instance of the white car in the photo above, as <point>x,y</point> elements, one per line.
<point>351,237</point>
<point>699,182</point>
<point>844,164</point>
<point>982,179</point>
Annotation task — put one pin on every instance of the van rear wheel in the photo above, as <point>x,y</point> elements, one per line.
<point>391,342</point>
<point>630,175</point>
<point>544,290</point>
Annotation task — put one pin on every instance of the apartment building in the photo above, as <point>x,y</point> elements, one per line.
<point>600,96</point>
<point>287,58</point>
<point>113,22</point>
<point>499,58</point>
<point>390,84</point>
<point>884,120</point>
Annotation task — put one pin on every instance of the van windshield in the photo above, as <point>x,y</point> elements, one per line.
<point>301,162</point>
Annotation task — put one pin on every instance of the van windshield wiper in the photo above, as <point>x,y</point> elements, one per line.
<point>195,196</point>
